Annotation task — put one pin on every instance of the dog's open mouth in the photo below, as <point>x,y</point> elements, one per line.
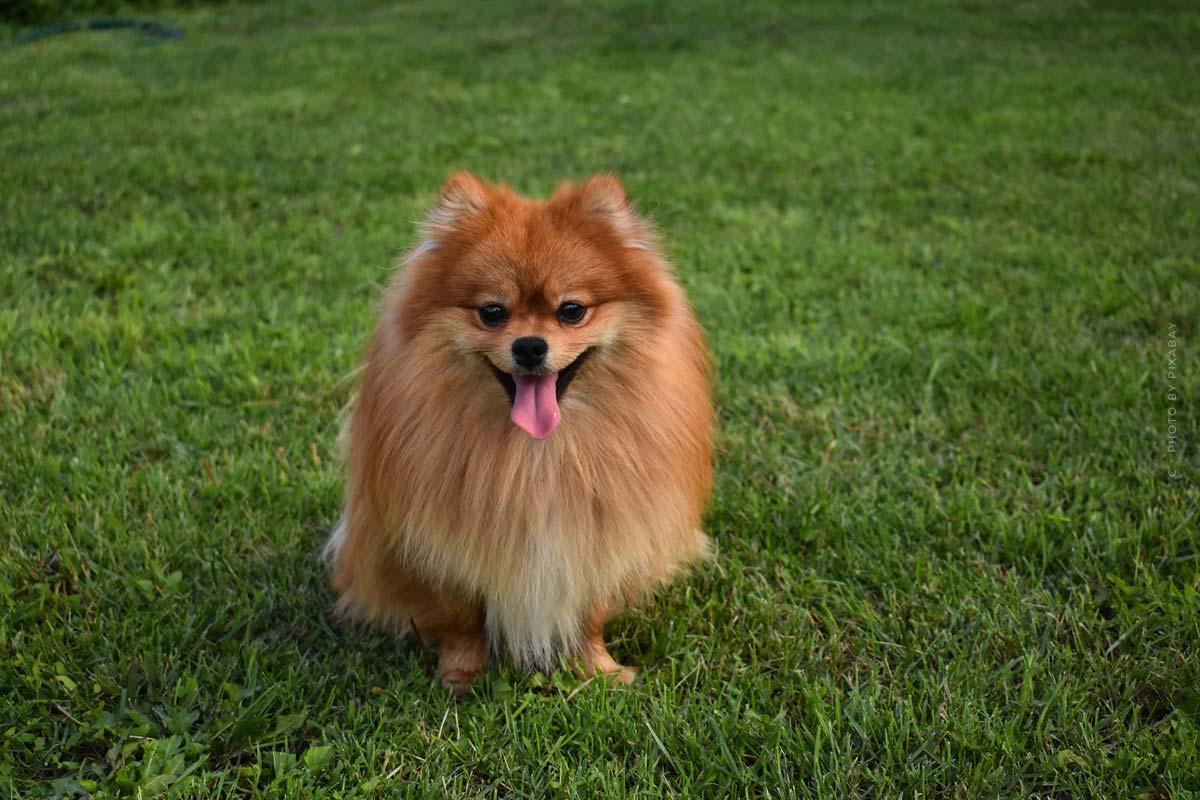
<point>534,398</point>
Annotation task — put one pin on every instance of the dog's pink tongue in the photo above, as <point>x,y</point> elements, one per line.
<point>535,408</point>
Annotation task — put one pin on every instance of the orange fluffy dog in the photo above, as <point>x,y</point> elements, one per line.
<point>530,447</point>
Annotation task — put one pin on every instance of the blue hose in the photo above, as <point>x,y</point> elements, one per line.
<point>156,33</point>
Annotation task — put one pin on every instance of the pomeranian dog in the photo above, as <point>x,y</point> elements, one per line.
<point>530,447</point>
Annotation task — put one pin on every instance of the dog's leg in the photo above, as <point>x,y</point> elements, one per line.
<point>460,659</point>
<point>379,588</point>
<point>594,659</point>
<point>455,627</point>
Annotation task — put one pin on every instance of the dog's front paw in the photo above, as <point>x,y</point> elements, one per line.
<point>460,661</point>
<point>607,669</point>
<point>625,675</point>
<point>457,681</point>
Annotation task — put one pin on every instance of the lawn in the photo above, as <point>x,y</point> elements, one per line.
<point>948,258</point>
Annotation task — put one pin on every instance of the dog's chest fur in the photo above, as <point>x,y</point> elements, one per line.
<point>541,544</point>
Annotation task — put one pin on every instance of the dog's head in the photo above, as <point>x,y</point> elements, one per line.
<point>536,295</point>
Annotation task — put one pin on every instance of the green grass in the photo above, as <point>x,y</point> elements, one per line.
<point>941,252</point>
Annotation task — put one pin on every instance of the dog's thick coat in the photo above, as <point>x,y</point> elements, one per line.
<point>463,526</point>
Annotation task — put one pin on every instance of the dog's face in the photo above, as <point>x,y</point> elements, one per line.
<point>536,292</point>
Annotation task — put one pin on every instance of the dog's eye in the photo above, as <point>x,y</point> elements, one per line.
<point>492,315</point>
<point>571,313</point>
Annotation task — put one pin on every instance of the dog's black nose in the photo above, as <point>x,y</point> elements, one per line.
<point>530,351</point>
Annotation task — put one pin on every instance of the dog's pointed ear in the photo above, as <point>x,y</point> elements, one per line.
<point>603,197</point>
<point>465,192</point>
<point>603,194</point>
<point>463,196</point>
